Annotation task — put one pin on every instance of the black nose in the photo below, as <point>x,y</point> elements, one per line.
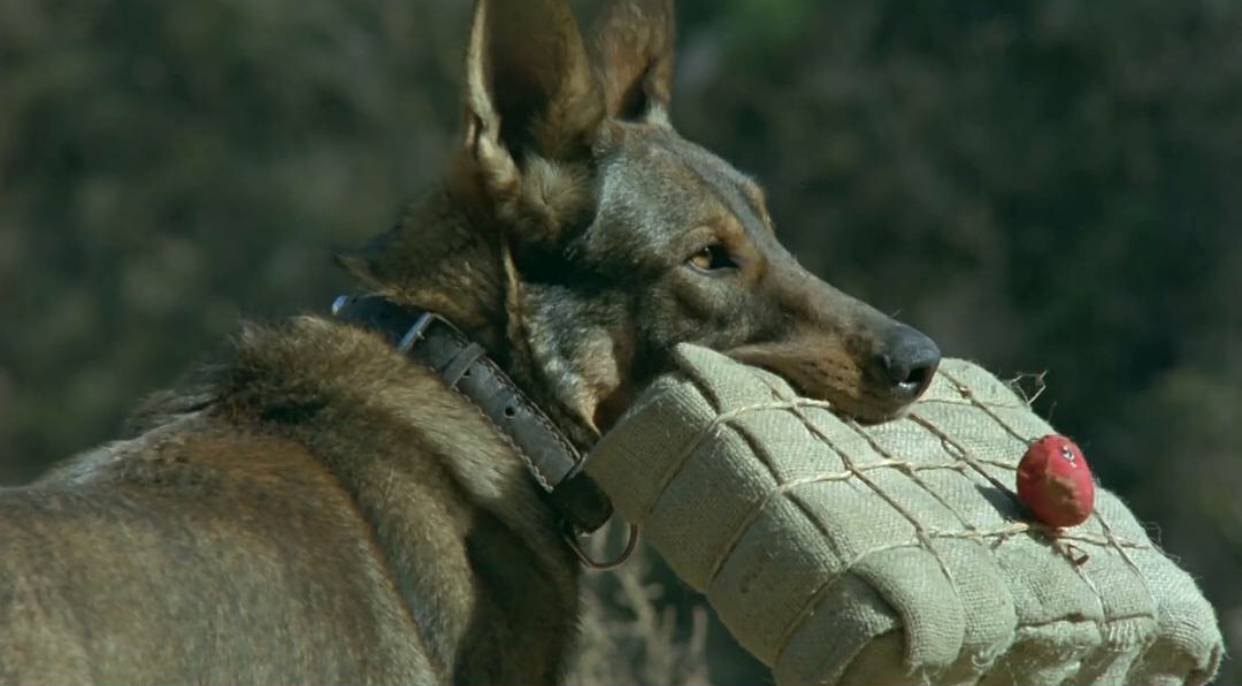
<point>906,362</point>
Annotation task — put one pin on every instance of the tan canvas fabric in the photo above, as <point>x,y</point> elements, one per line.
<point>891,554</point>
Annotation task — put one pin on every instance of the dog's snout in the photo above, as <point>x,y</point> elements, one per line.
<point>906,362</point>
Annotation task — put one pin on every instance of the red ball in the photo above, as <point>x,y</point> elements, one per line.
<point>1055,482</point>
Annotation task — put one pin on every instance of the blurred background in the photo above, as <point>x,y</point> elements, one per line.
<point>1047,185</point>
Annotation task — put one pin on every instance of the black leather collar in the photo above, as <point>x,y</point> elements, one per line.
<point>432,341</point>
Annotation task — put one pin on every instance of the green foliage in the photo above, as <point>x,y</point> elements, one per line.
<point>1040,185</point>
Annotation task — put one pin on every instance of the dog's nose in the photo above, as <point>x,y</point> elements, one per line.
<point>906,362</point>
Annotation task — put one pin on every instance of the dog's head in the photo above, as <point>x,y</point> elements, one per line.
<point>582,237</point>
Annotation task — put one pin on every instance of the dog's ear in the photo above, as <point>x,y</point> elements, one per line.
<point>529,85</point>
<point>533,108</point>
<point>634,41</point>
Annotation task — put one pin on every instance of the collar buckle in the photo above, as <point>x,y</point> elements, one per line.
<point>417,331</point>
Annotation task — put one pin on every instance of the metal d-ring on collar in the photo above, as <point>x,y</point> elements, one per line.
<point>553,462</point>
<point>573,539</point>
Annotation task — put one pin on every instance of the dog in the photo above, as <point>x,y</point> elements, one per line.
<point>321,508</point>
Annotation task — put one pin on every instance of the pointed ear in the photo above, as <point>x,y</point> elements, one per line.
<point>529,84</point>
<point>634,40</point>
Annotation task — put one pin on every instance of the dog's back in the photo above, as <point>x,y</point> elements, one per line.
<point>197,550</point>
<point>299,526</point>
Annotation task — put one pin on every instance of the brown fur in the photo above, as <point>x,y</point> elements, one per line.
<point>318,509</point>
<point>329,514</point>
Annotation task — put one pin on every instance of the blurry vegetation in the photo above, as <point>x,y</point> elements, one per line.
<point>1043,185</point>
<point>634,632</point>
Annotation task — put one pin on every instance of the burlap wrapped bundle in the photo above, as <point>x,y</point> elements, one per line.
<point>839,554</point>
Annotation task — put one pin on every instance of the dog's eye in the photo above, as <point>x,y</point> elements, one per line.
<point>711,258</point>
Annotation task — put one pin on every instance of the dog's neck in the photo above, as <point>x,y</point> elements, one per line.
<point>443,259</point>
<point>390,432</point>
<point>431,341</point>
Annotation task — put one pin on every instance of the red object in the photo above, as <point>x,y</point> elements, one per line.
<point>1055,482</point>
